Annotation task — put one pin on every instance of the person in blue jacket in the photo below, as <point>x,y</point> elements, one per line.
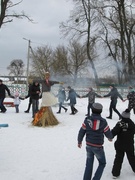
<point>61,98</point>
<point>72,97</point>
<point>94,127</point>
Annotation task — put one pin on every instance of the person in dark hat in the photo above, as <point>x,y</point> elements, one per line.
<point>3,90</point>
<point>124,130</point>
<point>113,94</point>
<point>94,127</point>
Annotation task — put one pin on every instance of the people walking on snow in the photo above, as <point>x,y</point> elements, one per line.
<point>125,131</point>
<point>113,94</point>
<point>3,90</point>
<point>94,127</point>
<point>131,99</point>
<point>91,99</point>
<point>61,98</point>
<point>72,97</point>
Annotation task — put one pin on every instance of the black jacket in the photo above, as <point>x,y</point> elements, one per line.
<point>72,96</point>
<point>34,89</point>
<point>29,91</point>
<point>114,94</point>
<point>124,130</point>
<point>131,98</point>
<point>3,89</point>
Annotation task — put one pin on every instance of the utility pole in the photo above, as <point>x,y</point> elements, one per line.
<point>28,60</point>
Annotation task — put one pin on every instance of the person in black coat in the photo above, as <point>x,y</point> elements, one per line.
<point>61,98</point>
<point>131,99</point>
<point>30,100</point>
<point>72,97</point>
<point>124,130</point>
<point>91,99</point>
<point>35,95</point>
<point>3,90</point>
<point>114,94</point>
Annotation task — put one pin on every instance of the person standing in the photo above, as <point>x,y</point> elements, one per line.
<point>3,90</point>
<point>131,99</point>
<point>17,100</point>
<point>29,96</point>
<point>61,98</point>
<point>124,130</point>
<point>114,94</point>
<point>72,97</point>
<point>94,127</point>
<point>35,95</point>
<point>91,99</point>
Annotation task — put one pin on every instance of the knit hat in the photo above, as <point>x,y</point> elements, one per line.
<point>112,85</point>
<point>126,114</point>
<point>97,108</point>
<point>69,87</point>
<point>16,94</point>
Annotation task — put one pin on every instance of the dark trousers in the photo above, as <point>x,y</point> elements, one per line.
<point>88,108</point>
<point>113,107</point>
<point>29,105</point>
<point>131,106</point>
<point>17,108</point>
<point>119,160</point>
<point>35,103</point>
<point>73,109</point>
<point>2,107</point>
<point>61,106</point>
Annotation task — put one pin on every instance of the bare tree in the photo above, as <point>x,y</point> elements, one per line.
<point>7,16</point>
<point>118,29</point>
<point>16,68</point>
<point>41,59</point>
<point>81,24</point>
<point>61,65</point>
<point>77,58</point>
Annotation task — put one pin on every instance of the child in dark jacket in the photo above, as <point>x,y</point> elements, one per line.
<point>94,127</point>
<point>91,99</point>
<point>124,130</point>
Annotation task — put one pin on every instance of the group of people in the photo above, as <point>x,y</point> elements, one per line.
<point>95,127</point>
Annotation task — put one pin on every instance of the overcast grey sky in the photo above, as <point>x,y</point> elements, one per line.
<point>47,14</point>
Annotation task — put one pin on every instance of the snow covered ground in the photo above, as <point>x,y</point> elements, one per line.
<point>51,153</point>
